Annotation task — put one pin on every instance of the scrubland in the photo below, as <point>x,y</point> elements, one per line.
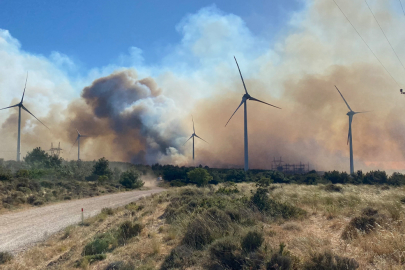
<point>244,226</point>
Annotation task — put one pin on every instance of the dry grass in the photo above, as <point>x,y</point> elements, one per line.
<point>328,215</point>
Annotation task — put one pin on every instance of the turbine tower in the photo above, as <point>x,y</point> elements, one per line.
<point>78,144</point>
<point>245,98</point>
<point>21,106</point>
<point>351,113</point>
<point>194,135</point>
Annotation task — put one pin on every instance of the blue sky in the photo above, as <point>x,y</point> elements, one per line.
<point>96,33</point>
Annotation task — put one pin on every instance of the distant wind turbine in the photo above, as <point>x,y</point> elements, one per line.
<point>78,144</point>
<point>194,135</point>
<point>245,98</point>
<point>21,106</point>
<point>351,113</point>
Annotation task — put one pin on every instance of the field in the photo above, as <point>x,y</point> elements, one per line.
<point>244,226</point>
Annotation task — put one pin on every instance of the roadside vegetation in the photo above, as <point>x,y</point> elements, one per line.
<point>43,178</point>
<point>258,225</point>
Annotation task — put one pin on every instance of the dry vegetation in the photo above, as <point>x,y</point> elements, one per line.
<point>307,227</point>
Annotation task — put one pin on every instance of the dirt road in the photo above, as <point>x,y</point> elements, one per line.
<point>22,229</point>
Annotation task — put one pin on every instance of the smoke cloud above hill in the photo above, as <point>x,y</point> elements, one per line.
<point>142,114</point>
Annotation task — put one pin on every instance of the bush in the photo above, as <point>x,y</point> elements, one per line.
<point>199,176</point>
<point>333,188</point>
<point>207,227</point>
<point>130,179</point>
<point>120,265</point>
<point>86,260</point>
<point>5,257</point>
<point>328,261</point>
<point>228,188</point>
<point>180,257</point>
<point>279,262</point>
<point>368,211</point>
<point>227,254</point>
<point>127,230</point>
<point>98,246</point>
<point>274,208</point>
<point>364,224</point>
<point>107,211</point>
<point>252,241</point>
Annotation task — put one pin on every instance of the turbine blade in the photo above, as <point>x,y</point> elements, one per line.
<point>10,107</point>
<point>33,115</point>
<point>362,112</point>
<point>193,123</point>
<point>188,139</point>
<point>201,138</point>
<point>350,124</point>
<point>243,100</point>
<point>73,144</point>
<point>343,99</point>
<point>84,135</point>
<point>241,76</point>
<point>24,87</point>
<point>77,132</point>
<point>254,99</point>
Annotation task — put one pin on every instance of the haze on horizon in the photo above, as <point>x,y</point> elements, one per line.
<point>136,106</point>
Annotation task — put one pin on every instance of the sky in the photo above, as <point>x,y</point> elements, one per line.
<point>130,75</point>
<point>76,28</point>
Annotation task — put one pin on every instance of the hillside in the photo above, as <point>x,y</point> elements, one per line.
<point>273,226</point>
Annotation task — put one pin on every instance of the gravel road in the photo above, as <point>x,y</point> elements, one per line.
<point>22,229</point>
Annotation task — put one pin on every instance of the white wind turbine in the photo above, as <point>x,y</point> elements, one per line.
<point>245,98</point>
<point>78,144</point>
<point>21,106</point>
<point>351,113</point>
<point>194,135</point>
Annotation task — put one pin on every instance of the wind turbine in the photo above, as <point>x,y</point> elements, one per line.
<point>194,135</point>
<point>78,144</point>
<point>351,113</point>
<point>245,98</point>
<point>21,106</point>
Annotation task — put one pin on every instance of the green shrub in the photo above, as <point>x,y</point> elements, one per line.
<point>5,257</point>
<point>227,254</point>
<point>99,245</point>
<point>252,241</point>
<point>131,179</point>
<point>127,230</point>
<point>199,176</point>
<point>328,261</point>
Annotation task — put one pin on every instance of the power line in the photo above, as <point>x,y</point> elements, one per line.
<point>385,35</point>
<point>365,43</point>
<point>402,7</point>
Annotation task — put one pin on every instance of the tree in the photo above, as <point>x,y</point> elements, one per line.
<point>101,168</point>
<point>199,176</point>
<point>39,158</point>
<point>130,179</point>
